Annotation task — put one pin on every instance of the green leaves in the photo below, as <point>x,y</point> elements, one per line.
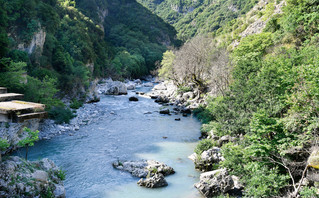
<point>31,137</point>
<point>3,144</point>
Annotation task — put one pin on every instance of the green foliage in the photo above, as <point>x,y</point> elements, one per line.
<point>61,174</point>
<point>191,18</point>
<point>42,91</point>
<point>3,144</point>
<point>183,89</point>
<point>204,145</point>
<point>11,74</point>
<point>166,65</point>
<point>76,48</point>
<point>30,139</point>
<point>61,115</point>
<point>76,104</point>
<point>309,192</point>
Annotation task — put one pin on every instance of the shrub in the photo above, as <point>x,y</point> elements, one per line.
<point>61,115</point>
<point>76,104</point>
<point>61,174</point>
<point>204,145</point>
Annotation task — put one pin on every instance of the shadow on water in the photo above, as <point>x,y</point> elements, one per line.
<point>127,134</point>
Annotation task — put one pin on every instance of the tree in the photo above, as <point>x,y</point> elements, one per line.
<point>3,145</point>
<point>32,136</point>
<point>199,61</point>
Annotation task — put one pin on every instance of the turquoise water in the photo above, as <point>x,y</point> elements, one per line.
<point>128,134</point>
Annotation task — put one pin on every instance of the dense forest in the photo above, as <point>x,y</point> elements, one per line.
<point>261,72</point>
<point>63,44</point>
<point>191,18</point>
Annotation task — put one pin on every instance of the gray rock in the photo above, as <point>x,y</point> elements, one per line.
<point>155,181</point>
<point>113,88</point>
<point>208,159</point>
<point>40,176</point>
<point>59,191</point>
<point>130,87</point>
<point>162,99</point>
<point>160,87</point>
<point>149,84</point>
<point>214,183</point>
<point>133,98</point>
<point>164,111</point>
<point>144,168</point>
<point>188,95</point>
<point>19,177</point>
<point>138,81</point>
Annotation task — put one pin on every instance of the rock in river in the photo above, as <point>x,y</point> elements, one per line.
<point>132,98</point>
<point>144,168</point>
<point>164,111</point>
<point>155,181</point>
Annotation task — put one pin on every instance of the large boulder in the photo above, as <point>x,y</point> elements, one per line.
<point>208,159</point>
<point>113,88</point>
<point>130,86</point>
<point>217,182</point>
<point>143,168</point>
<point>162,99</point>
<point>155,181</point>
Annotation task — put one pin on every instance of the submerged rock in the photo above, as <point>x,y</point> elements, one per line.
<point>149,84</point>
<point>155,181</point>
<point>21,178</point>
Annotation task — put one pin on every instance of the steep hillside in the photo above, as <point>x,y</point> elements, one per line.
<point>266,119</point>
<point>65,43</point>
<point>191,18</point>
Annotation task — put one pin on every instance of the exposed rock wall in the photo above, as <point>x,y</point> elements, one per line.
<point>36,43</point>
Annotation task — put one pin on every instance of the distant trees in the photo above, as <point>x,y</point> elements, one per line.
<point>199,61</point>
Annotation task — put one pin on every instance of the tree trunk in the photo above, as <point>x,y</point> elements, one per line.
<point>26,152</point>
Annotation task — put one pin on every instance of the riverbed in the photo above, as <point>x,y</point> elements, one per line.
<point>125,131</point>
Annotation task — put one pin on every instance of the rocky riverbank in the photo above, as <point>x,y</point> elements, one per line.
<point>21,178</point>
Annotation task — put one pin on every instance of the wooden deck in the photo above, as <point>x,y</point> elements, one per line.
<point>10,96</point>
<point>12,109</point>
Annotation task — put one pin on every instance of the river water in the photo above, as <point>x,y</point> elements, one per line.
<point>124,132</point>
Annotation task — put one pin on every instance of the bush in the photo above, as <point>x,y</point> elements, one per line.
<point>76,104</point>
<point>61,174</point>
<point>61,115</point>
<point>204,145</point>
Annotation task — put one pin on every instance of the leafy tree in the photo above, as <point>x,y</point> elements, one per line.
<point>3,145</point>
<point>29,140</point>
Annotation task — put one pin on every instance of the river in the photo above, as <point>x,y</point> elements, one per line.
<point>124,132</point>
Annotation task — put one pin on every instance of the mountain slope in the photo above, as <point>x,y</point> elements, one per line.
<point>191,18</point>
<point>71,42</point>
